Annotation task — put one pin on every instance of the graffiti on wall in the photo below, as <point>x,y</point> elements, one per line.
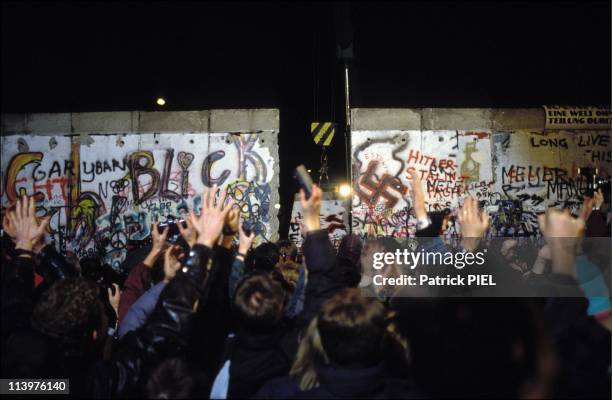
<point>104,196</point>
<point>515,175</point>
<point>333,218</point>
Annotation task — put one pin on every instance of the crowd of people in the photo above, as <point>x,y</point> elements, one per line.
<point>210,316</point>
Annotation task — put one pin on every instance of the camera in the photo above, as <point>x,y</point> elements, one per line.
<point>173,230</point>
<point>304,180</point>
<point>594,182</point>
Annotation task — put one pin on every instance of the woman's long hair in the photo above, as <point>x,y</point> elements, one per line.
<point>349,331</point>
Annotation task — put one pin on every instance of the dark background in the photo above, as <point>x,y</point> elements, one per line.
<point>111,56</point>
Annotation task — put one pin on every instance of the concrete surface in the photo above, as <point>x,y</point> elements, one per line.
<point>205,121</point>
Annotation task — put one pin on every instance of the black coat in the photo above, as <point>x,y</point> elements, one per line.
<point>26,352</point>
<point>256,359</point>
<point>166,332</point>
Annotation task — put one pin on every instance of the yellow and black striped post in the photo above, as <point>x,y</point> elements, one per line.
<point>323,132</point>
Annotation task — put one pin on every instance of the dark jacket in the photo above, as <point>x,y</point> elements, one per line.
<point>18,291</point>
<point>213,321</point>
<point>164,335</point>
<point>324,280</point>
<point>583,348</point>
<point>340,383</point>
<point>254,360</point>
<point>26,352</point>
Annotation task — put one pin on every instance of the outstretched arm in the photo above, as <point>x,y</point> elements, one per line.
<point>166,332</point>
<point>139,279</point>
<point>18,279</point>
<point>322,281</point>
<point>418,200</point>
<point>237,271</point>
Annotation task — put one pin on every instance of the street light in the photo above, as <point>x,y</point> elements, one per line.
<point>345,190</point>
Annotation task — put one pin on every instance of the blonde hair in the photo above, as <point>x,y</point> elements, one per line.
<point>337,322</point>
<point>309,352</point>
<point>290,272</point>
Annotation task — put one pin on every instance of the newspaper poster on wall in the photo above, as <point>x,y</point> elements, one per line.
<point>577,117</point>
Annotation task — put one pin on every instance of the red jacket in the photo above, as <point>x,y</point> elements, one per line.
<point>137,282</point>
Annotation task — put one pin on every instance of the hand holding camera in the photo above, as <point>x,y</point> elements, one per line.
<point>187,231</point>
<point>246,238</point>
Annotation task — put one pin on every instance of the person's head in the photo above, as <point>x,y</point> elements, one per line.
<point>289,272</point>
<point>350,331</point>
<point>172,379</point>
<point>69,311</point>
<point>91,267</point>
<point>288,250</point>
<point>265,256</point>
<point>94,269</point>
<point>259,303</point>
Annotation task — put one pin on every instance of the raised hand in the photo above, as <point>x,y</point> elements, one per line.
<point>245,242</point>
<point>172,262</point>
<point>473,223</point>
<point>560,224</point>
<point>588,205</point>
<point>28,229</point>
<point>311,208</point>
<point>563,233</point>
<point>113,299</point>
<point>591,203</point>
<point>560,229</point>
<point>159,239</point>
<point>209,223</point>
<point>188,233</point>
<point>159,244</point>
<point>598,199</point>
<point>418,196</point>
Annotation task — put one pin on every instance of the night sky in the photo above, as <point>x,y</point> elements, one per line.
<point>119,56</point>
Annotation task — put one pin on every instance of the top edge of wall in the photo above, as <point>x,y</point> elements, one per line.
<point>447,118</point>
<point>209,121</point>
